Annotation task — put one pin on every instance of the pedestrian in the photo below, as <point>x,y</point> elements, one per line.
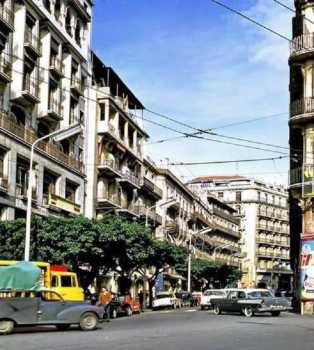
<point>141,299</point>
<point>104,300</point>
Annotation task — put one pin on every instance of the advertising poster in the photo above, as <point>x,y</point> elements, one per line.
<point>307,270</point>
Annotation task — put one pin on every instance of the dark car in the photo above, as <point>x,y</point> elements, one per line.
<point>185,298</point>
<point>37,308</point>
<point>249,302</point>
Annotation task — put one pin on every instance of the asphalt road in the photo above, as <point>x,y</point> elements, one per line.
<point>179,330</point>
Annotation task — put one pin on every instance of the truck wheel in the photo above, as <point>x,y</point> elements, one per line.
<point>63,327</point>
<point>6,327</point>
<point>275,313</point>
<point>248,311</point>
<point>88,321</point>
<point>217,310</point>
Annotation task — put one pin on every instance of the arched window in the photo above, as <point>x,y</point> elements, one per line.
<point>57,9</point>
<point>47,5</point>
<point>68,27</point>
<point>78,33</point>
<point>19,114</point>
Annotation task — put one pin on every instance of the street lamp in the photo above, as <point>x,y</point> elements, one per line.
<point>55,135</point>
<point>167,202</point>
<point>220,247</point>
<point>203,231</point>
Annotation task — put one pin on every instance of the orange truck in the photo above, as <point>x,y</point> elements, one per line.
<point>57,278</point>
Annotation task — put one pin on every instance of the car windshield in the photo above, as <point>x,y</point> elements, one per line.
<point>214,292</point>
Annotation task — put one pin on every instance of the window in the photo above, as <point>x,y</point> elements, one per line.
<point>241,295</point>
<point>102,108</point>
<point>66,281</point>
<point>54,281</point>
<point>220,195</point>
<point>238,196</point>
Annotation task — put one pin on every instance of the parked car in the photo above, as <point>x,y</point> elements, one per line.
<point>185,298</point>
<point>209,295</point>
<point>123,306</point>
<point>250,302</point>
<point>36,308</point>
<point>166,300</point>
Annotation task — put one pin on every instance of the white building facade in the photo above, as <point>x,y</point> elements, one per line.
<point>263,210</point>
<point>45,69</point>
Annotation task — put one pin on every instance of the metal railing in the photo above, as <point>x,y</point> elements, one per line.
<point>8,124</point>
<point>31,86</point>
<point>56,107</point>
<point>130,177</point>
<point>76,84</point>
<point>108,163</point>
<point>302,106</point>
<point>6,15</point>
<point>4,183</point>
<point>301,43</point>
<point>32,40</point>
<point>56,64</point>
<point>152,187</point>
<point>5,66</point>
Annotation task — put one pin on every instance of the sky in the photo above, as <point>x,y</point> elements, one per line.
<point>202,65</point>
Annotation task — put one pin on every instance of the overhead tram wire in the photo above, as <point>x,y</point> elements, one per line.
<point>291,10</point>
<point>209,132</point>
<point>282,36</point>
<point>212,140</point>
<point>228,161</point>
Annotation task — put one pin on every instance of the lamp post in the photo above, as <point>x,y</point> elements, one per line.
<point>53,135</point>
<point>220,247</point>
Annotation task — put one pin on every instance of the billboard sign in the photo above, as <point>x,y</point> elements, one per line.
<point>307,270</point>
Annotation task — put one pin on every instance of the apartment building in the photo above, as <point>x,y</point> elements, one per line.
<point>263,210</point>
<point>44,68</point>
<point>216,234</point>
<point>302,148</point>
<point>120,179</point>
<point>210,223</point>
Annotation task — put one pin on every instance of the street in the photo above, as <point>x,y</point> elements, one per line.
<point>179,330</point>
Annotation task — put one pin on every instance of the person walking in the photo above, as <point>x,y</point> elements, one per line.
<point>141,299</point>
<point>104,300</point>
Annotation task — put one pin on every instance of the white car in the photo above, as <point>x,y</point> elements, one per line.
<point>210,294</point>
<point>166,300</point>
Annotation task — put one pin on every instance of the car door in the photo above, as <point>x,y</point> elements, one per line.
<point>239,306</point>
<point>231,301</point>
<point>48,310</point>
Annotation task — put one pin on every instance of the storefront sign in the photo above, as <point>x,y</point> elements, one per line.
<point>307,270</point>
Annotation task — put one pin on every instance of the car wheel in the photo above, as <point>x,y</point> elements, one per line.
<point>114,313</point>
<point>128,311</point>
<point>88,321</point>
<point>6,327</point>
<point>217,310</point>
<point>63,327</point>
<point>248,311</point>
<point>275,313</point>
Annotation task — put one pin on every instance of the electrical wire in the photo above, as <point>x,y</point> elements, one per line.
<point>250,20</point>
<point>210,132</point>
<point>228,161</point>
<point>291,10</point>
<point>213,140</point>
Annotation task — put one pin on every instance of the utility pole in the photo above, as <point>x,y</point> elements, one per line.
<point>190,258</point>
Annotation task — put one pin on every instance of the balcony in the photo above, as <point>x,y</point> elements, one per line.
<point>30,90</point>
<point>129,179</point>
<point>227,216</point>
<point>109,168</point>
<point>7,18</point>
<point>302,46</point>
<point>277,270</point>
<point>77,4</point>
<point>56,66</point>
<point>302,109</point>
<point>271,242</point>
<point>5,69</point>
<point>10,126</point>
<point>129,210</point>
<point>151,188</point>
<point>62,204</point>
<point>108,200</point>
<point>21,192</point>
<point>55,110</point>
<point>226,230</point>
<point>76,86</point>
<point>266,214</point>
<point>32,42</point>
<point>153,218</point>
<point>4,184</point>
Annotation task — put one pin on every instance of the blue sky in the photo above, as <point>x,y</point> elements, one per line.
<point>194,61</point>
